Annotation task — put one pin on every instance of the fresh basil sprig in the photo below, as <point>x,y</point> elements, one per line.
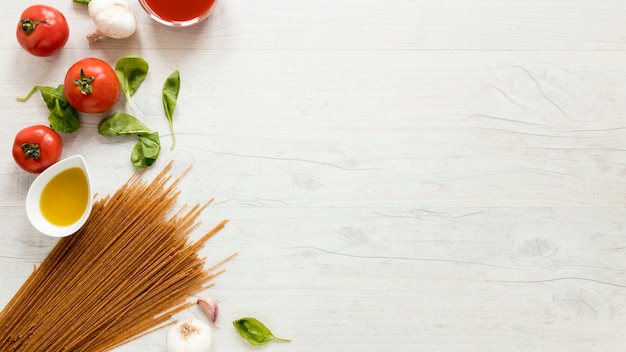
<point>255,332</point>
<point>131,70</point>
<point>171,87</point>
<point>63,117</point>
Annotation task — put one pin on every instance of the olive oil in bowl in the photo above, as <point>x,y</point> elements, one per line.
<point>64,199</point>
<point>59,200</point>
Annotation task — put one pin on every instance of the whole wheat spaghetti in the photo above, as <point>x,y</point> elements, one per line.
<point>123,275</point>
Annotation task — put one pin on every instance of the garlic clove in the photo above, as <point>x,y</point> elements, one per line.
<point>210,308</point>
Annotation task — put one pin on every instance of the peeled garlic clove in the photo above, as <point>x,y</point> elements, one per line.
<point>210,308</point>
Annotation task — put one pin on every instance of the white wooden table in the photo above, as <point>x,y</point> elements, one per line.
<point>399,175</point>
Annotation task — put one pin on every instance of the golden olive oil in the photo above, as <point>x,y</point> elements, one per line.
<point>64,199</point>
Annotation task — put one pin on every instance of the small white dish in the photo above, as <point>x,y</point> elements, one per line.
<point>35,209</point>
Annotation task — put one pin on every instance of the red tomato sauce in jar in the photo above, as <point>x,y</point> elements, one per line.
<point>178,10</point>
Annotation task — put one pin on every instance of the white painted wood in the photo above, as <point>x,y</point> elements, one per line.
<point>399,175</point>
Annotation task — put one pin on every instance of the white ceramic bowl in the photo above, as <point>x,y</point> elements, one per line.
<point>33,207</point>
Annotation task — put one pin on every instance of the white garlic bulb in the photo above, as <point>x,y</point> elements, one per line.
<point>191,335</point>
<point>113,19</point>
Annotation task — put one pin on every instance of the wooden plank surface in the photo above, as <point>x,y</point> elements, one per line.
<point>399,176</point>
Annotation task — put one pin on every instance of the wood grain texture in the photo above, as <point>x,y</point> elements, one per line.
<point>399,176</point>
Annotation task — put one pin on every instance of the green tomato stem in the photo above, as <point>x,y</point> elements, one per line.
<point>84,83</point>
<point>28,25</point>
<point>31,150</point>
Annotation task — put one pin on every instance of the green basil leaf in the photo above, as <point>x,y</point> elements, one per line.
<point>171,87</point>
<point>146,151</point>
<point>50,95</point>
<point>82,1</point>
<point>131,70</point>
<point>122,124</point>
<point>63,117</point>
<point>255,332</point>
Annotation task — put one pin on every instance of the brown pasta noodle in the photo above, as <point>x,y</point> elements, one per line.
<point>124,274</point>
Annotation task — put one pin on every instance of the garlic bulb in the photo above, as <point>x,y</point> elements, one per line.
<point>113,19</point>
<point>192,335</point>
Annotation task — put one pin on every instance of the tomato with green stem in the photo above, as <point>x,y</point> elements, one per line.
<point>36,148</point>
<point>42,30</point>
<point>91,86</point>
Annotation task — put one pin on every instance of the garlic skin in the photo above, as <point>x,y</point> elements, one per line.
<point>192,335</point>
<point>210,308</point>
<point>113,19</point>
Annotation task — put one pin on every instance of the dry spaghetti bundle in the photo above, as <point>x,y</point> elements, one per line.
<point>123,275</point>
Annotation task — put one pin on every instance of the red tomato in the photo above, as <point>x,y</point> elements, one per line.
<point>91,86</point>
<point>36,148</point>
<point>42,30</point>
